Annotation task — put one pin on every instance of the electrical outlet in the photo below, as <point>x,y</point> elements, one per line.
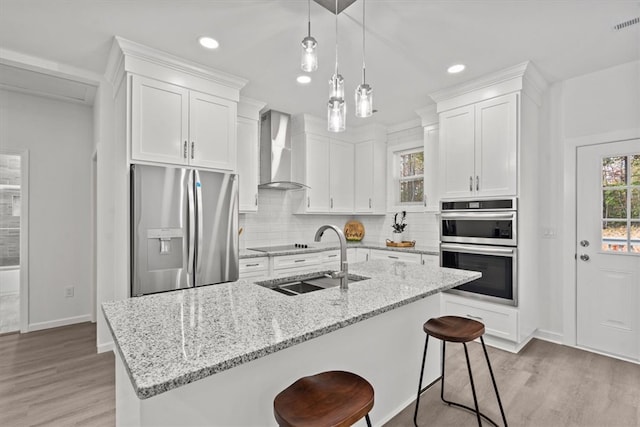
<point>549,233</point>
<point>68,291</point>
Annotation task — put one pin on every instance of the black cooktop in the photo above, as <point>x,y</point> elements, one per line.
<point>279,248</point>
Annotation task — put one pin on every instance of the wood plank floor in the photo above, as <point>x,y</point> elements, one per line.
<point>55,378</point>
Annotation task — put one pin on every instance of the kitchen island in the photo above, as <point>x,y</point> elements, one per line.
<point>217,355</point>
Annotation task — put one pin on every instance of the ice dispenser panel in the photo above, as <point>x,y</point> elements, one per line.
<point>164,248</point>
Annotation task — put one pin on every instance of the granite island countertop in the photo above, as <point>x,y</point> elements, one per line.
<point>171,339</point>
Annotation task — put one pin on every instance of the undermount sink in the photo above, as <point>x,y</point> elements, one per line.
<point>304,283</point>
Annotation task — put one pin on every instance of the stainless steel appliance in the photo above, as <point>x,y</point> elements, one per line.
<point>481,235</point>
<point>184,228</point>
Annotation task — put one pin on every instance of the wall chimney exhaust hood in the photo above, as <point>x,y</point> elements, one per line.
<point>275,152</point>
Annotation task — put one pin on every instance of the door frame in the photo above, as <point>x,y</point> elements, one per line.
<point>570,222</point>
<point>24,235</point>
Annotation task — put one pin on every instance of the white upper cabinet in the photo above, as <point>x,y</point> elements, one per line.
<point>159,122</point>
<point>370,176</point>
<point>212,131</point>
<point>341,176</point>
<point>248,143</point>
<point>326,167</point>
<point>478,148</point>
<point>171,124</point>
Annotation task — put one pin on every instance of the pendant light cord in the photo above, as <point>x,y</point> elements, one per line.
<point>363,45</point>
<point>336,38</point>
<point>309,16</point>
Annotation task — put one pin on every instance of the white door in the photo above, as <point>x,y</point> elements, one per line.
<point>317,165</point>
<point>212,131</point>
<point>159,121</point>
<point>341,176</point>
<point>496,143</point>
<point>608,248</point>
<point>457,153</point>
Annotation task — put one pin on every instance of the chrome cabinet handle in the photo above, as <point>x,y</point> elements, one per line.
<point>184,150</point>
<point>299,260</point>
<point>470,183</point>
<point>332,203</point>
<point>256,199</point>
<point>252,265</point>
<point>308,201</point>
<point>584,243</point>
<point>584,257</point>
<point>477,183</point>
<point>369,202</point>
<point>392,257</point>
<point>193,149</point>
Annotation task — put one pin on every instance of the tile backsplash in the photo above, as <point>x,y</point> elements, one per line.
<point>275,224</point>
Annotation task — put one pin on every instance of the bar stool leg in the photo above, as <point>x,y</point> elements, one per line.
<point>420,390</point>
<point>473,388</point>
<point>366,417</point>
<point>444,346</point>
<point>493,380</point>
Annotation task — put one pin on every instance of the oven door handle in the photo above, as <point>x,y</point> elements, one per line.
<point>480,250</point>
<point>477,215</point>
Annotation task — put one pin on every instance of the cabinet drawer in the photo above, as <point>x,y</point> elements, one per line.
<point>295,261</point>
<point>395,256</point>
<point>501,322</point>
<point>330,257</point>
<point>253,267</point>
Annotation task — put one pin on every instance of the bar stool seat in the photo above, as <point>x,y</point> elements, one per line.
<point>327,399</point>
<point>458,330</point>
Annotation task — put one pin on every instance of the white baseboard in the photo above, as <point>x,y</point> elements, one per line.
<point>105,347</point>
<point>59,322</point>
<point>554,337</point>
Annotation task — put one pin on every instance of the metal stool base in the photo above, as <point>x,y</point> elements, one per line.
<point>473,389</point>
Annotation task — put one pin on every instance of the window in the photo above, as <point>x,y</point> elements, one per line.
<point>621,204</point>
<point>406,177</point>
<point>411,176</point>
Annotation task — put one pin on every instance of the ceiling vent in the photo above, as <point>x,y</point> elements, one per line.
<point>626,24</point>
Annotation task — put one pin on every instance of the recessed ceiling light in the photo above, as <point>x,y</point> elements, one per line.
<point>208,42</point>
<point>304,79</point>
<point>455,68</point>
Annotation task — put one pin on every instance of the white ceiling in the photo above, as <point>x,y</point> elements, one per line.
<point>410,43</point>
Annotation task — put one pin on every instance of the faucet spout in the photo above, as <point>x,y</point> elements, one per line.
<point>344,265</point>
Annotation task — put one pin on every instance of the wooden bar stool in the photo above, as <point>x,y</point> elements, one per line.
<point>327,399</point>
<point>461,330</point>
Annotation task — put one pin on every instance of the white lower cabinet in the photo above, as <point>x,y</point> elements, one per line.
<point>499,321</point>
<point>395,256</point>
<point>254,267</point>
<point>431,260</point>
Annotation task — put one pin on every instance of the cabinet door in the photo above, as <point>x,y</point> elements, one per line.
<point>364,177</point>
<point>159,121</point>
<point>496,145</point>
<point>212,131</point>
<point>317,170</point>
<point>248,164</point>
<point>341,176</point>
<point>457,152</point>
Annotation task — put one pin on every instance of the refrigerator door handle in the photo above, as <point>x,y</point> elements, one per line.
<point>192,222</point>
<point>200,225</point>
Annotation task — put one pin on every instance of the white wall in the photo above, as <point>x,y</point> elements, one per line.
<point>59,138</point>
<point>599,107</point>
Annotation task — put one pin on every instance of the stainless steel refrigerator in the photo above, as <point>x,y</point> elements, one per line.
<point>184,228</point>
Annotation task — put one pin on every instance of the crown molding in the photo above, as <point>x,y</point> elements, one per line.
<point>409,124</point>
<point>428,115</point>
<point>250,108</point>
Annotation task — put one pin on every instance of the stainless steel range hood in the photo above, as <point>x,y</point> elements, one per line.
<point>275,152</point>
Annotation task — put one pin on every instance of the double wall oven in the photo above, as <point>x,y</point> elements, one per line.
<point>482,235</point>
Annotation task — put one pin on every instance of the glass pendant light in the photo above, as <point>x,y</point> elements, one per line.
<point>336,108</point>
<point>309,54</point>
<point>364,93</point>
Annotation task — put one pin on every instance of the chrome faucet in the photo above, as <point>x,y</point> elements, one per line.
<point>344,265</point>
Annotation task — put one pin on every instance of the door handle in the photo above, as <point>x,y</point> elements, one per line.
<point>584,257</point>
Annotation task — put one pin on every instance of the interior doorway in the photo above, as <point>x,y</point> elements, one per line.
<point>608,248</point>
<point>10,218</point>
